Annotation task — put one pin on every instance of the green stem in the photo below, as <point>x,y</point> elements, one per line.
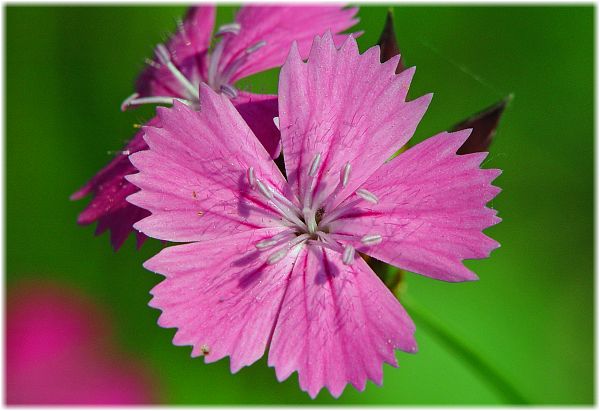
<point>476,361</point>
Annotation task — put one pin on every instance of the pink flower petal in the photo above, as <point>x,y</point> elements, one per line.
<point>346,107</point>
<point>109,188</point>
<point>194,177</point>
<point>258,111</point>
<point>278,27</point>
<point>338,324</point>
<point>431,210</point>
<point>187,47</point>
<point>221,295</point>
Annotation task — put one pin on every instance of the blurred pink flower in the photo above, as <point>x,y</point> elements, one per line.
<point>59,351</point>
<point>274,263</point>
<point>257,40</point>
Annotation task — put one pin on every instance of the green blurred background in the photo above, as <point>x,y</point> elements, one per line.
<point>531,314</point>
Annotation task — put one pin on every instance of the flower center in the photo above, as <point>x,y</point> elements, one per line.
<point>309,221</point>
<point>218,80</point>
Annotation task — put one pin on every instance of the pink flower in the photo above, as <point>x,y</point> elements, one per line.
<point>258,40</point>
<point>57,352</point>
<point>274,262</point>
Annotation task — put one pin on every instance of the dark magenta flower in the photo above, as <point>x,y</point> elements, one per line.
<point>257,40</point>
<point>273,263</point>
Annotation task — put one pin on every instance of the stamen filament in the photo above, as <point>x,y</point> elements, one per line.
<point>165,58</point>
<point>338,212</point>
<point>229,90</point>
<point>215,57</point>
<point>130,102</point>
<point>281,208</point>
<point>310,218</point>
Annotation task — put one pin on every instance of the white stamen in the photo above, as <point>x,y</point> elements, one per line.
<point>163,54</point>
<point>213,66</point>
<point>264,190</point>
<point>125,152</point>
<point>233,28</point>
<point>256,46</point>
<point>127,102</point>
<point>367,195</point>
<point>345,175</point>
<point>310,219</point>
<point>282,207</point>
<point>276,121</point>
<point>348,255</point>
<point>315,165</point>
<point>152,100</point>
<point>264,244</point>
<point>278,255</point>
<point>251,177</point>
<point>371,239</point>
<point>287,202</point>
<point>338,212</point>
<point>165,58</point>
<point>270,242</point>
<point>298,240</point>
<point>229,91</point>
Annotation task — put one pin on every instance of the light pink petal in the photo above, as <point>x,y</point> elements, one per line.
<point>258,110</point>
<point>431,210</point>
<point>188,49</point>
<point>221,295</point>
<point>194,178</point>
<point>278,27</point>
<point>346,107</point>
<point>338,324</point>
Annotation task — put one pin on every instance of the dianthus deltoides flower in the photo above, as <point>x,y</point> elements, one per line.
<point>275,263</point>
<point>257,40</point>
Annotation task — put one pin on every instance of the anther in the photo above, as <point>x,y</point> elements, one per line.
<point>345,175</point>
<point>371,239</point>
<point>264,190</point>
<point>127,102</point>
<point>264,244</point>
<point>231,28</point>
<point>367,195</point>
<point>278,256</point>
<point>315,165</point>
<point>256,46</point>
<point>229,91</point>
<point>251,177</point>
<point>163,54</point>
<point>276,121</point>
<point>270,242</point>
<point>152,63</point>
<point>348,255</point>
